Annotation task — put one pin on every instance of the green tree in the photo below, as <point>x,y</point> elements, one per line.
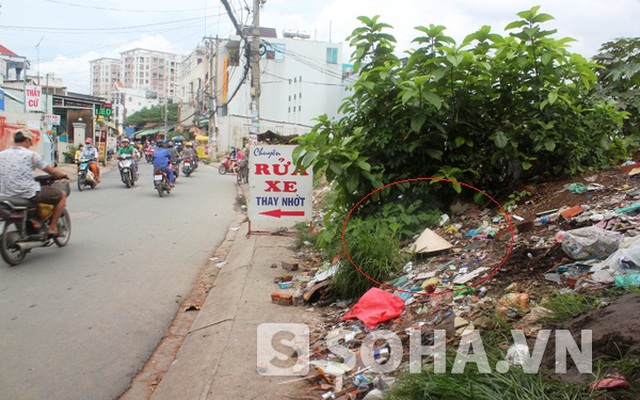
<point>490,112</point>
<point>619,79</point>
<point>153,114</point>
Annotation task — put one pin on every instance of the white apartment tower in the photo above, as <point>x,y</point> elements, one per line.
<point>154,71</point>
<point>105,73</point>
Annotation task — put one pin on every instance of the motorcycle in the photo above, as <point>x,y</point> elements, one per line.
<point>243,171</point>
<point>188,166</point>
<point>225,166</point>
<point>148,155</point>
<point>161,181</point>
<point>175,166</point>
<point>26,224</point>
<point>85,176</point>
<point>127,170</point>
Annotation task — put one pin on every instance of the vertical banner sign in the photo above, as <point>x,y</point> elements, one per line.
<point>33,98</point>
<point>277,190</point>
<point>1,100</point>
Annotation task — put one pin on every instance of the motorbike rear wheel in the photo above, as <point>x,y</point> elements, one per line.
<point>222,170</point>
<point>9,248</point>
<point>64,229</point>
<point>81,181</point>
<point>160,188</point>
<point>127,179</point>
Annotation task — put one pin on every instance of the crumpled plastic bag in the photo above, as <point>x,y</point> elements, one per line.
<point>374,307</point>
<point>590,242</point>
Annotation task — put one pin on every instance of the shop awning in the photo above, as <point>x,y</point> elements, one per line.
<point>146,132</point>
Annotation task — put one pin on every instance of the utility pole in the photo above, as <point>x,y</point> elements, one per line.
<point>215,98</point>
<point>255,73</point>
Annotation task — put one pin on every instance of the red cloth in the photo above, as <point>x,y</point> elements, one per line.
<point>374,307</point>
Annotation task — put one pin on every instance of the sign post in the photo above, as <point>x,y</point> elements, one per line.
<point>278,191</point>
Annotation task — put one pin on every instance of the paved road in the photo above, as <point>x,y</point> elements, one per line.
<point>79,322</point>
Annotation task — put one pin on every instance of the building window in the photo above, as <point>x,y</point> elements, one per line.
<point>294,96</point>
<point>295,80</point>
<point>289,109</point>
<point>300,95</point>
<point>332,55</point>
<point>299,108</point>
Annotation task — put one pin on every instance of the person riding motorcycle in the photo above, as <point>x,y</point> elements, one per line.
<point>161,159</point>
<point>127,149</point>
<point>189,152</point>
<point>90,152</point>
<point>17,177</point>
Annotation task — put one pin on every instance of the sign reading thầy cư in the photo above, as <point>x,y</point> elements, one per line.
<point>277,190</point>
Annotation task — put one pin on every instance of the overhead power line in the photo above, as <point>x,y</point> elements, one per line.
<point>121,28</point>
<point>124,9</point>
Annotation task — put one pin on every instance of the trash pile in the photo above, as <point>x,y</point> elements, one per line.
<point>577,237</point>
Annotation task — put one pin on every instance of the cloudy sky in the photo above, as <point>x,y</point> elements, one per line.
<point>62,36</point>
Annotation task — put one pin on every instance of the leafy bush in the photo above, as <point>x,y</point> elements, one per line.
<point>489,112</point>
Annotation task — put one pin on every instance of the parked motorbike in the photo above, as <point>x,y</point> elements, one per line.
<point>161,181</point>
<point>85,176</point>
<point>26,224</point>
<point>188,166</point>
<point>127,170</point>
<point>243,171</point>
<point>225,166</point>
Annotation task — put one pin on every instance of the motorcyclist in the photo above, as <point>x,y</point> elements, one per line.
<point>189,152</point>
<point>161,160</point>
<point>233,154</point>
<point>17,177</point>
<point>174,152</point>
<point>91,152</point>
<point>126,148</point>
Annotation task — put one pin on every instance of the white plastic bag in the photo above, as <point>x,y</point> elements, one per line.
<point>590,242</point>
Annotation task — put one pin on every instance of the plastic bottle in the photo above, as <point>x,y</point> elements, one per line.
<point>545,219</point>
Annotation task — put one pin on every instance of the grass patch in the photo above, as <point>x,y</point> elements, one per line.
<point>567,305</point>
<point>304,235</point>
<point>375,251</point>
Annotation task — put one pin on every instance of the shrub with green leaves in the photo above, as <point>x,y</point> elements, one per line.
<point>491,111</point>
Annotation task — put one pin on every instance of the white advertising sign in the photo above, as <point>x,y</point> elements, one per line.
<point>33,99</point>
<point>51,119</point>
<point>277,190</point>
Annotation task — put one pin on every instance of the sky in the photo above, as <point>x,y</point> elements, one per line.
<point>62,36</point>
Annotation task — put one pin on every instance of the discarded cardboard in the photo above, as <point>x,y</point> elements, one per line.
<point>430,242</point>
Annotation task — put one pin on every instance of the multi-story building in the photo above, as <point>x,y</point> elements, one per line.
<point>139,78</point>
<point>154,71</point>
<point>300,79</point>
<point>105,72</point>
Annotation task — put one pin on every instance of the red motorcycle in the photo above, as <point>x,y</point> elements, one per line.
<point>225,166</point>
<point>148,155</point>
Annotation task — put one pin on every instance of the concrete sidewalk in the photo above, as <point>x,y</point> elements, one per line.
<point>217,359</point>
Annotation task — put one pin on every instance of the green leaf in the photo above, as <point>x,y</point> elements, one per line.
<point>459,141</point>
<point>433,98</point>
<point>309,158</point>
<point>436,154</point>
<point>365,166</point>
<point>417,121</point>
<point>352,182</point>
<point>526,165</point>
<point>500,139</point>
<point>540,18</point>
<point>335,167</point>
<point>553,96</point>
<point>550,144</point>
<point>515,24</point>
